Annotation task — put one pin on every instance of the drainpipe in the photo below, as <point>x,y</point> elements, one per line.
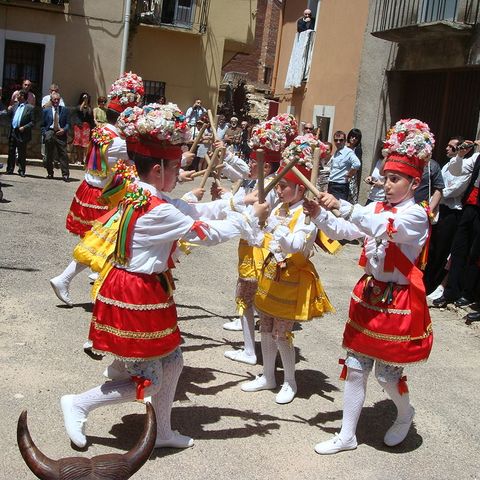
<point>126,28</point>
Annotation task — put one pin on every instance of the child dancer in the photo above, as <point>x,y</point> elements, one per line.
<point>272,136</point>
<point>134,317</point>
<point>105,149</point>
<point>289,289</point>
<point>389,324</point>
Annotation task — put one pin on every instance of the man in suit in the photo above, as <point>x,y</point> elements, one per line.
<point>20,133</point>
<point>55,126</point>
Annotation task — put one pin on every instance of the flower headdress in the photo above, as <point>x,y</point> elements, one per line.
<point>273,135</point>
<point>155,130</point>
<point>408,146</point>
<point>126,91</point>
<point>301,149</point>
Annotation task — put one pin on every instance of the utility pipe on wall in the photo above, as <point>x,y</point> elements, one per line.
<point>126,29</point>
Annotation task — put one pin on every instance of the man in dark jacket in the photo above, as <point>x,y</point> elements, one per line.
<point>20,133</point>
<point>55,128</point>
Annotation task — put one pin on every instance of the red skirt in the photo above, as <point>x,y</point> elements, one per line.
<point>85,209</point>
<point>134,317</point>
<point>380,322</point>
<point>81,135</point>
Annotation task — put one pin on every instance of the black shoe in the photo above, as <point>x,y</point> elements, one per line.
<point>9,172</point>
<point>22,174</point>
<point>49,176</point>
<point>441,302</point>
<point>462,302</point>
<point>473,317</point>
<point>65,178</point>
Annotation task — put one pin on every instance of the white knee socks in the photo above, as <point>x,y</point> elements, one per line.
<point>248,327</point>
<point>353,399</point>
<point>72,270</point>
<point>402,402</point>
<point>269,352</point>
<point>287,354</point>
<point>162,401</point>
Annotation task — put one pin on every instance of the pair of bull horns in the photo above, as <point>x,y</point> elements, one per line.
<point>112,466</point>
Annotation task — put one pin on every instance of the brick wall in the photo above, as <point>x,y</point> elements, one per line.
<point>263,54</point>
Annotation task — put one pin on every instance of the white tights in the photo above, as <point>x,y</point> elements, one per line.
<point>72,270</point>
<point>354,398</point>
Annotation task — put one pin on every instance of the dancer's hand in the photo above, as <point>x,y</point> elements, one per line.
<point>216,191</point>
<point>262,211</point>
<point>198,192</point>
<point>328,201</point>
<point>311,207</point>
<point>185,176</point>
<point>251,198</point>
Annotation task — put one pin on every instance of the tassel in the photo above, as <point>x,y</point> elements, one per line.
<point>142,384</point>
<point>241,305</point>
<point>402,385</point>
<point>290,336</point>
<point>343,374</point>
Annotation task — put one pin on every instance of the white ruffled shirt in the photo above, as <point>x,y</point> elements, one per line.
<point>456,176</point>
<point>116,151</point>
<point>410,222</point>
<point>156,231</point>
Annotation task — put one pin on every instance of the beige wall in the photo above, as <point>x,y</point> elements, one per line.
<point>87,50</point>
<point>190,63</point>
<point>335,63</point>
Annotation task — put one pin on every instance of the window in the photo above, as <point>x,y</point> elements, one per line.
<point>153,90</point>
<point>267,75</point>
<point>23,61</point>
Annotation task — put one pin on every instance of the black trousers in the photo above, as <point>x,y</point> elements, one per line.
<point>339,190</point>
<point>441,241</point>
<point>16,146</point>
<point>56,149</point>
<point>464,272</point>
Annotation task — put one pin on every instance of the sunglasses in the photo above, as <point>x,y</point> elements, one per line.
<point>338,140</point>
<point>453,147</point>
<point>308,128</point>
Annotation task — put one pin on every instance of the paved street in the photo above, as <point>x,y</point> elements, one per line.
<point>238,435</point>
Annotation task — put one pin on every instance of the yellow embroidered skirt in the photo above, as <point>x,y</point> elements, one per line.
<point>293,292</point>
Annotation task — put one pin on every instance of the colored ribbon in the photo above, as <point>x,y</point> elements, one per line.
<point>402,385</point>
<point>343,373</point>
<point>142,384</point>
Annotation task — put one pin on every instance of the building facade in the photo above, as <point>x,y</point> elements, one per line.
<point>177,46</point>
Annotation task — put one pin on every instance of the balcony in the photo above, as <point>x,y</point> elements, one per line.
<point>186,15</point>
<point>403,20</point>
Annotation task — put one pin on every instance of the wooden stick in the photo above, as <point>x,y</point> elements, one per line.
<point>210,167</point>
<point>279,176</point>
<point>260,157</point>
<point>198,138</point>
<point>212,125</point>
<point>311,187</point>
<point>217,168</point>
<point>314,177</point>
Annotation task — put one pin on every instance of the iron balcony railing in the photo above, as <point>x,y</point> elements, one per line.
<point>186,14</point>
<point>394,14</point>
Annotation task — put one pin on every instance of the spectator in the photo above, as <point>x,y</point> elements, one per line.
<point>55,126</point>
<point>204,146</point>
<point>431,186</point>
<point>244,147</point>
<point>100,112</point>
<point>376,180</point>
<point>308,128</point>
<point>222,127</point>
<point>3,108</point>
<point>54,88</point>
<point>464,273</point>
<point>162,100</point>
<point>307,22</point>
<point>82,124</point>
<point>456,176</point>
<point>20,133</point>
<point>343,166</point>
<point>26,87</point>
<point>233,135</point>
<point>194,113</point>
<point>354,141</point>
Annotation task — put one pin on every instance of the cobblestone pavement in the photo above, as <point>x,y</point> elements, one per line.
<point>238,435</point>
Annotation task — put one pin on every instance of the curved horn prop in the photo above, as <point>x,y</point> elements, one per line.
<point>43,467</point>
<point>142,450</point>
